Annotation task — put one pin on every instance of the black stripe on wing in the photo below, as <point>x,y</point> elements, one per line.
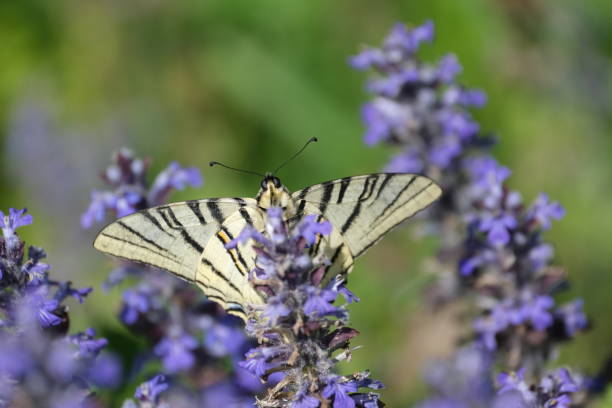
<point>366,192</point>
<point>127,242</point>
<point>141,236</point>
<point>194,206</point>
<point>328,189</point>
<point>344,183</point>
<point>225,236</point>
<point>221,275</point>
<point>215,211</point>
<point>147,214</point>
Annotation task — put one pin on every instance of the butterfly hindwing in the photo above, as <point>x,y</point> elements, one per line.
<point>365,208</point>
<point>223,273</point>
<point>170,237</point>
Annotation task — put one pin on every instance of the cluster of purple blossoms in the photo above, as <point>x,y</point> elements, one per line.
<point>465,381</point>
<point>417,106</point>
<point>555,389</point>
<point>190,336</point>
<point>41,365</point>
<point>302,333</point>
<point>506,262</point>
<point>492,248</point>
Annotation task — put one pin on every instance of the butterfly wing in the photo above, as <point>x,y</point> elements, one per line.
<point>223,273</point>
<point>365,208</point>
<point>174,236</point>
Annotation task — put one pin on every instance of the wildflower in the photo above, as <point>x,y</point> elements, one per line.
<point>190,336</point>
<point>300,329</point>
<point>176,352</point>
<point>490,238</point>
<point>38,358</point>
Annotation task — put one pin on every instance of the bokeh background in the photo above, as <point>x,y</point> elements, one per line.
<point>248,82</point>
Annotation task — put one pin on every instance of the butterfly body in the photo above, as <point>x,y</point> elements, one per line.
<point>189,238</point>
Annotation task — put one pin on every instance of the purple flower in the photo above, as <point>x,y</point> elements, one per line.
<point>35,270</point>
<point>149,391</point>
<point>127,178</point>
<point>339,286</point>
<point>256,360</point>
<point>275,308</point>
<point>383,117</point>
<point>46,309</point>
<point>222,339</point>
<point>174,177</point>
<point>392,85</point>
<point>400,43</point>
<point>320,301</point>
<point>573,317</point>
<point>540,255</point>
<point>459,124</point>
<point>537,311</point>
<point>554,390</point>
<point>100,203</point>
<point>9,224</point>
<point>87,343</point>
<point>402,38</point>
<point>176,352</point>
<point>15,219</point>
<point>340,392</point>
<point>483,257</point>
<point>448,68</point>
<point>543,211</point>
<point>126,204</point>
<point>499,319</point>
<point>444,151</point>
<point>309,228</point>
<point>368,58</point>
<point>498,228</point>
<point>134,303</point>
<point>487,179</point>
<point>105,371</point>
<point>245,235</point>
<point>466,97</point>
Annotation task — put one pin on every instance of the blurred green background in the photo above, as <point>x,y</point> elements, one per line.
<point>247,82</point>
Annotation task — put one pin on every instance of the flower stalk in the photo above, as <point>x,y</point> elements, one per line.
<point>492,249</point>
<point>302,333</point>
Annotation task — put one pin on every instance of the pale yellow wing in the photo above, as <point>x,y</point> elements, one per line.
<point>171,237</point>
<point>223,273</point>
<point>364,208</point>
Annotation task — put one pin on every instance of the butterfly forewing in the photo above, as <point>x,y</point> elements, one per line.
<point>170,237</point>
<point>365,208</point>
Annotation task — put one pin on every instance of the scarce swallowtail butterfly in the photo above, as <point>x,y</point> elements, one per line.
<point>188,238</point>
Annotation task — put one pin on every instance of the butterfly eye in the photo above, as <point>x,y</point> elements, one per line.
<point>276,181</point>
<point>264,183</point>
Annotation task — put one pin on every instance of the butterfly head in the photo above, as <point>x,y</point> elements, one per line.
<point>273,193</point>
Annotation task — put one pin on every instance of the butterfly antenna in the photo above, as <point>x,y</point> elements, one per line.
<point>312,139</point>
<point>216,163</point>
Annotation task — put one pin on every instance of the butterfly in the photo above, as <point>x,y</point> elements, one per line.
<point>189,238</point>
